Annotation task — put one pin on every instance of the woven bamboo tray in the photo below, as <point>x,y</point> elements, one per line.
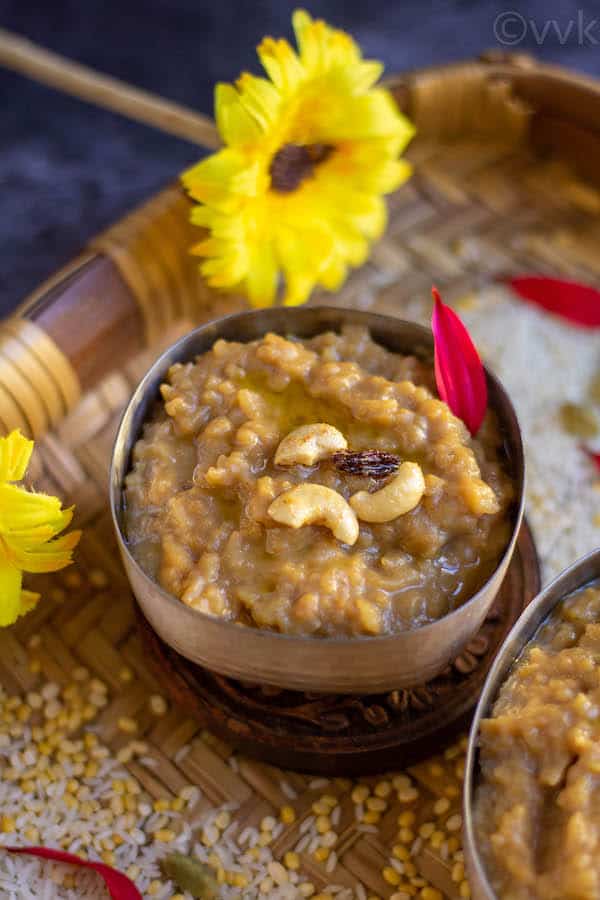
<point>505,180</point>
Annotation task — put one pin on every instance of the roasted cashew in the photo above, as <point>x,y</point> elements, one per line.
<point>308,444</point>
<point>315,504</point>
<point>399,496</point>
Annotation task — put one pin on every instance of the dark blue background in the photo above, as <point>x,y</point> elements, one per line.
<point>68,169</point>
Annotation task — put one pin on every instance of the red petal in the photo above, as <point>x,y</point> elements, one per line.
<point>119,886</point>
<point>577,303</point>
<point>459,373</point>
<point>594,457</point>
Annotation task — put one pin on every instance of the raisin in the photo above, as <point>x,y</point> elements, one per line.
<point>372,463</point>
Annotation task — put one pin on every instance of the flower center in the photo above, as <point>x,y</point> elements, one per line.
<point>295,162</point>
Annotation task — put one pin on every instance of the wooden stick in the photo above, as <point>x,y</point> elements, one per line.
<point>23,56</point>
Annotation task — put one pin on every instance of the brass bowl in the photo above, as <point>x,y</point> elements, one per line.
<point>576,576</point>
<point>342,665</point>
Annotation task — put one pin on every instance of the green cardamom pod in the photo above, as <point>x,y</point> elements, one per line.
<point>191,875</point>
<point>580,421</point>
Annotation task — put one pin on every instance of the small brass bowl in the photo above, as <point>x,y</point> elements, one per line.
<point>342,665</point>
<point>576,576</point>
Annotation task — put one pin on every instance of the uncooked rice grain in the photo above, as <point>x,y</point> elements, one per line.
<point>288,790</point>
<point>331,862</point>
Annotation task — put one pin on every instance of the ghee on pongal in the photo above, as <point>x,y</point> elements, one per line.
<point>203,495</point>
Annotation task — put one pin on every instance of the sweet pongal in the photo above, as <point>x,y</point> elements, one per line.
<point>315,487</point>
<point>537,811</point>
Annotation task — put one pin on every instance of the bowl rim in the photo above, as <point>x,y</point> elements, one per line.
<point>116,490</point>
<point>582,572</point>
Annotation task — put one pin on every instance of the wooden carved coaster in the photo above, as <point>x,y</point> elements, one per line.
<point>342,734</point>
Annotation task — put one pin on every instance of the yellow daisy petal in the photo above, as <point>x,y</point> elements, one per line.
<point>391,179</point>
<point>225,271</point>
<point>298,288</point>
<point>210,180</point>
<point>364,117</point>
<point>29,600</point>
<point>234,123</point>
<point>10,594</point>
<point>209,247</point>
<point>259,98</point>
<point>334,274</point>
<point>250,182</point>
<point>361,212</point>
<point>203,216</point>
<point>15,453</point>
<point>51,526</point>
<point>382,177</point>
<point>363,76</point>
<point>322,47</point>
<point>261,280</point>
<point>305,38</point>
<point>227,227</point>
<point>20,509</point>
<point>29,525</point>
<point>281,64</point>
<point>48,557</point>
<point>303,258</point>
<point>351,244</point>
<point>29,537</point>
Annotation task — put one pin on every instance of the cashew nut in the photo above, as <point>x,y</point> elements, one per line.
<point>308,444</point>
<point>399,496</point>
<point>315,504</point>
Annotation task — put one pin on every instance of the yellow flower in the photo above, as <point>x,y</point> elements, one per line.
<point>29,524</point>
<point>309,152</point>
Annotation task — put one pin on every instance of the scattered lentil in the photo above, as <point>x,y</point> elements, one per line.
<point>292,860</point>
<point>52,746</point>
<point>454,823</point>
<point>406,835</point>
<point>323,824</point>
<point>127,725</point>
<point>383,789</point>
<point>287,815</point>
<point>360,793</point>
<point>391,875</point>
<point>441,806</point>
<point>407,818</point>
<point>158,705</point>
